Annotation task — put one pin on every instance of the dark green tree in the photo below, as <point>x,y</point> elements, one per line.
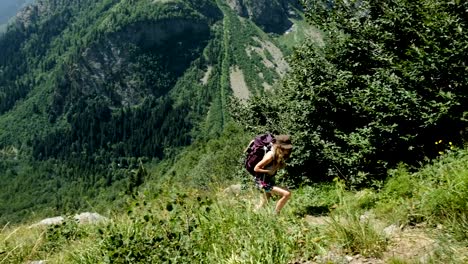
<point>389,81</point>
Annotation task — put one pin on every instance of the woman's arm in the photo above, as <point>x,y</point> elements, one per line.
<point>267,159</point>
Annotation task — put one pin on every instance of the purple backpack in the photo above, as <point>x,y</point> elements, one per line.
<point>256,150</point>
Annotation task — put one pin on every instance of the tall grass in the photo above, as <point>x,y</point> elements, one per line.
<point>176,223</point>
<point>435,195</point>
<point>190,227</point>
<point>19,244</point>
<point>351,232</point>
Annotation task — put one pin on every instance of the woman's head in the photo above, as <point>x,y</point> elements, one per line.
<point>283,148</point>
<point>284,143</point>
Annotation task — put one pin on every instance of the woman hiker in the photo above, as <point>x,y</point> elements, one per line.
<point>266,169</point>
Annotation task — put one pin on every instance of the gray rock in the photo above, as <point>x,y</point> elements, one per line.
<point>391,230</point>
<point>89,218</point>
<point>366,217</point>
<point>83,218</point>
<point>234,189</point>
<point>49,221</point>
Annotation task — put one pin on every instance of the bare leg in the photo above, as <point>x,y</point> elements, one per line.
<point>285,195</point>
<point>263,200</point>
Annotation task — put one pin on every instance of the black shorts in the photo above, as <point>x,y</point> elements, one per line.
<point>264,182</point>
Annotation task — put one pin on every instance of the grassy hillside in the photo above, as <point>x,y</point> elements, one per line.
<point>412,218</point>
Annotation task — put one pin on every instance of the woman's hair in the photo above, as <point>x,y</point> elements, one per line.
<point>283,149</point>
<point>280,156</point>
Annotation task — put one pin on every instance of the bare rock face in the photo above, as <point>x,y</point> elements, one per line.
<point>271,15</point>
<point>31,12</point>
<point>238,6</point>
<point>109,67</point>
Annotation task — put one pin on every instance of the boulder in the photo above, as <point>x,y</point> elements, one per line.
<point>391,230</point>
<point>89,218</point>
<point>83,218</point>
<point>234,189</point>
<point>49,221</point>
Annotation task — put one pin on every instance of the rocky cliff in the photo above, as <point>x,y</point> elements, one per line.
<point>119,63</point>
<point>270,15</point>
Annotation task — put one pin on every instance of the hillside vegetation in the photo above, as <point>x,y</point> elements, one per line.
<point>412,218</point>
<point>91,89</point>
<point>376,108</point>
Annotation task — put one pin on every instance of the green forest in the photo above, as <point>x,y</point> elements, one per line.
<point>131,109</point>
<point>91,89</point>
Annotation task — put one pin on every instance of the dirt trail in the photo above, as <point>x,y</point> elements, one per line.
<point>411,244</point>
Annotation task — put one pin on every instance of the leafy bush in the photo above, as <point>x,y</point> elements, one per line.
<point>385,86</point>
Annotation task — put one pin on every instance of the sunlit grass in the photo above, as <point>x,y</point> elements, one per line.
<point>180,224</point>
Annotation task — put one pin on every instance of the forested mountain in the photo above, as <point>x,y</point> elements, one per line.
<point>88,87</point>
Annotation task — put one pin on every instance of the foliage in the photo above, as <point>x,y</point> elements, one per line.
<point>190,227</point>
<point>57,235</point>
<point>435,194</point>
<point>90,88</point>
<point>386,85</point>
<point>171,221</point>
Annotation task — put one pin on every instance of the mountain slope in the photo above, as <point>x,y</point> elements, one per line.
<point>93,84</point>
<point>124,59</point>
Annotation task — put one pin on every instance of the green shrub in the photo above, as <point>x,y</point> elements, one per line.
<point>435,194</point>
<point>56,236</point>
<point>400,184</point>
<point>379,92</point>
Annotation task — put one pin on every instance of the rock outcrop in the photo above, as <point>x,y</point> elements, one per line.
<point>83,218</point>
<point>49,221</point>
<point>110,67</point>
<point>89,218</point>
<point>270,15</point>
